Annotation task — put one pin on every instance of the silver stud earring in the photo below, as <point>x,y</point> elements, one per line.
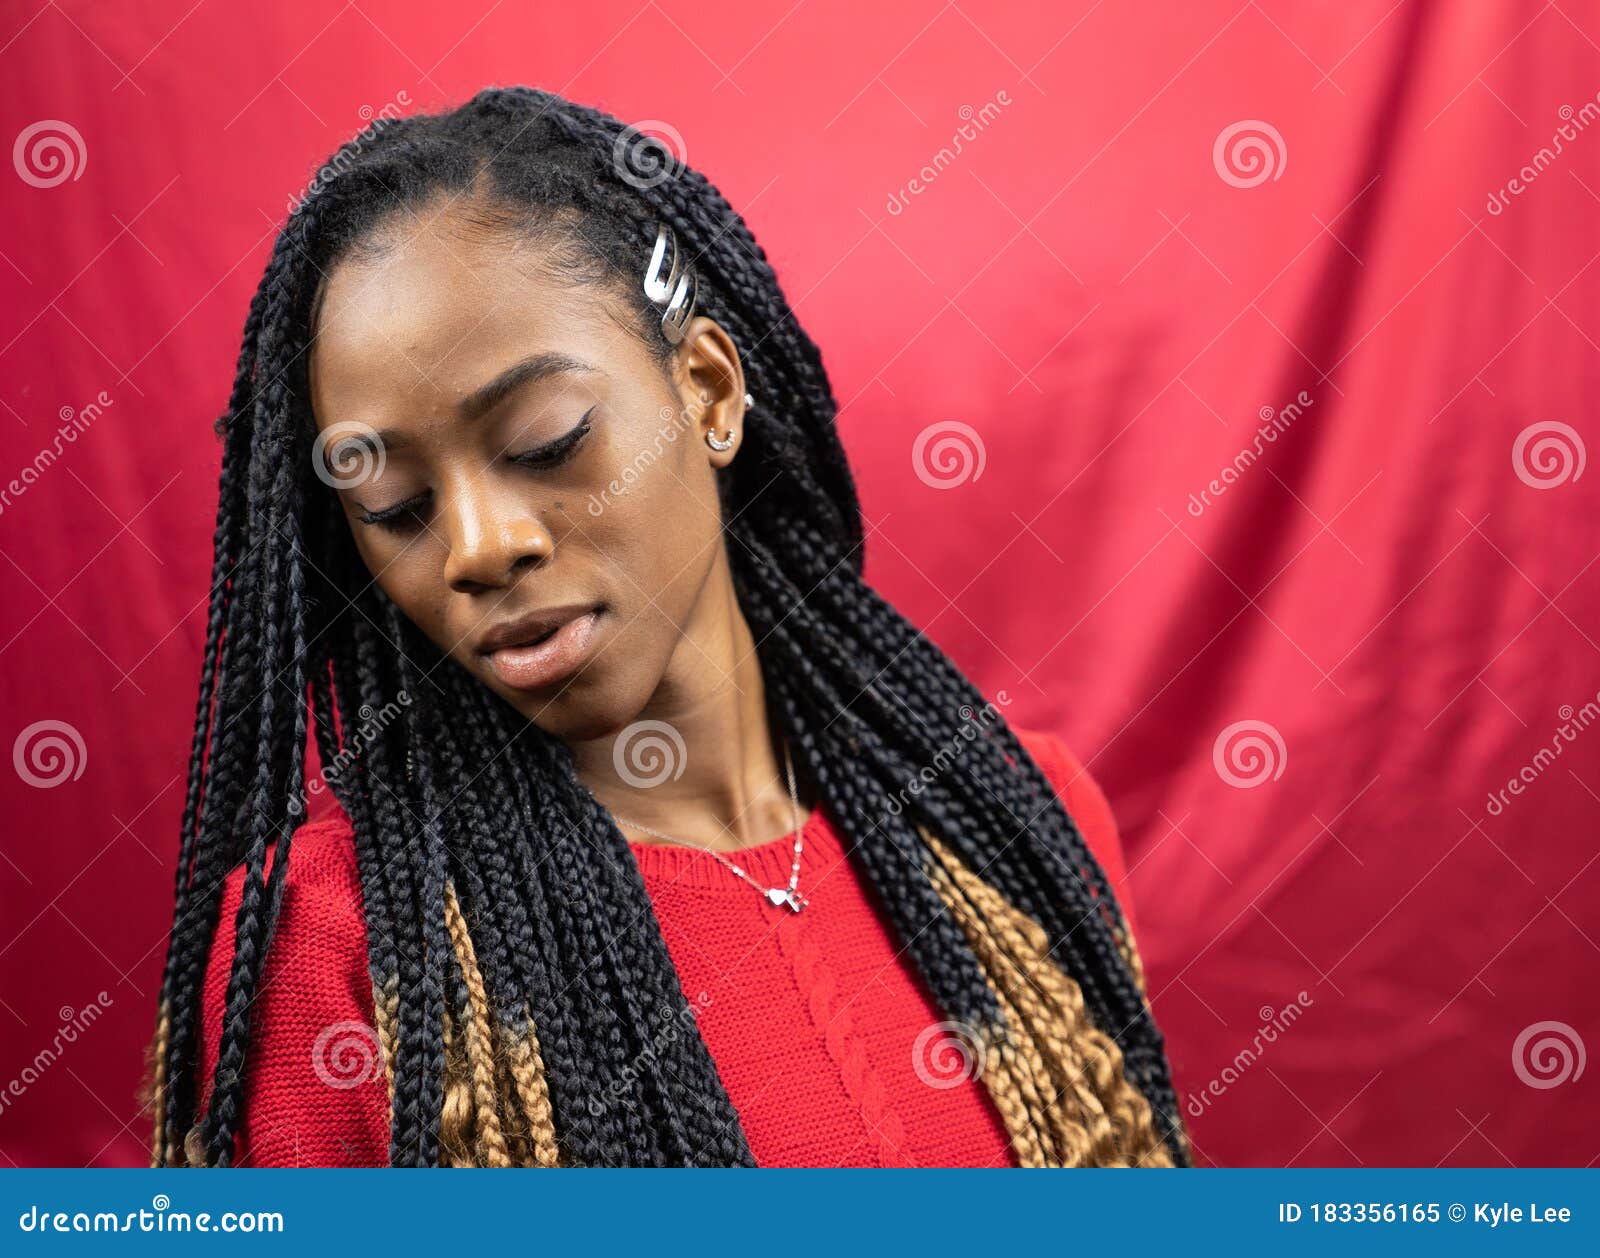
<point>726,443</point>
<point>749,402</point>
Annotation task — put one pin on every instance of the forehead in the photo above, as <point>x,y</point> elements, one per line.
<point>444,305</point>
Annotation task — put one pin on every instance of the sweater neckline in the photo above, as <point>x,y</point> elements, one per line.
<point>768,862</point>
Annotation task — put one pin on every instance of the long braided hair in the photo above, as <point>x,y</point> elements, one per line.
<point>523,994</point>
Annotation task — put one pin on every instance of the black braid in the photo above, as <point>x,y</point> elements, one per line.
<point>465,791</point>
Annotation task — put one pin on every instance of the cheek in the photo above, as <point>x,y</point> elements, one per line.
<point>660,532</point>
<point>401,572</point>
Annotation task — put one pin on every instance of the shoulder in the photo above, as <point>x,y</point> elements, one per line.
<point>321,892</point>
<point>315,1091</point>
<point>322,865</point>
<point>1074,785</point>
<point>1085,803</point>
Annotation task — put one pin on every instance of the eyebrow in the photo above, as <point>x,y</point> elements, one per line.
<point>534,367</point>
<point>486,396</point>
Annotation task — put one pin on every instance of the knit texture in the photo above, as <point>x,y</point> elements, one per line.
<point>827,1042</point>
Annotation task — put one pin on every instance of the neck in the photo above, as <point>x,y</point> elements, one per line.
<point>714,777</point>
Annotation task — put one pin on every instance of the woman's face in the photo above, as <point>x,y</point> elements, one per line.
<point>521,476</point>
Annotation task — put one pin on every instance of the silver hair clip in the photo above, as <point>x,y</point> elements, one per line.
<point>677,291</point>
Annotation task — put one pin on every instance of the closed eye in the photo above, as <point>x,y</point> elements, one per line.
<point>406,517</point>
<point>555,453</point>
<point>400,518</point>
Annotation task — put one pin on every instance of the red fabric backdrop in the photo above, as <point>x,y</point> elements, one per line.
<point>1397,590</point>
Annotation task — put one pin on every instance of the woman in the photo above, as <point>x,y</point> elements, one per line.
<point>657,837</point>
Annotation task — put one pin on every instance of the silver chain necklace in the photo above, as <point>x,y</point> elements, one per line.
<point>789,896</point>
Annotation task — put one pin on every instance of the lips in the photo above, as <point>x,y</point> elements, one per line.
<point>540,648</point>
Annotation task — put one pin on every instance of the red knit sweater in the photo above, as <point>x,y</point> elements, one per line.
<point>813,1019</point>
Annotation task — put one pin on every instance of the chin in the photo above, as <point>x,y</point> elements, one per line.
<point>584,708</point>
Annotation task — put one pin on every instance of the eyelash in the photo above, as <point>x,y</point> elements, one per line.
<point>398,518</point>
<point>404,516</point>
<point>559,451</point>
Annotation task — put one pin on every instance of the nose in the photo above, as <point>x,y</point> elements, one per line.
<point>492,536</point>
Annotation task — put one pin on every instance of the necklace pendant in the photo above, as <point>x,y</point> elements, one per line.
<point>785,896</point>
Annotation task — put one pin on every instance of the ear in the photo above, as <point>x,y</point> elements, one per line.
<point>710,380</point>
